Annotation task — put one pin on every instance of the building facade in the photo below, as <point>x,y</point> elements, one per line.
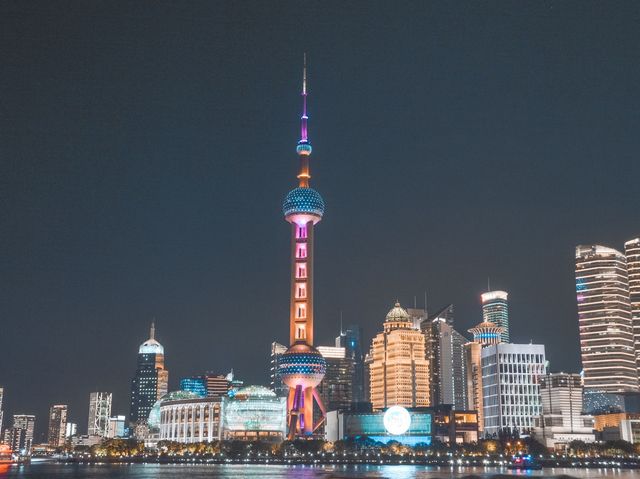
<point>336,389</point>
<point>562,419</point>
<point>445,352</point>
<point>511,391</point>
<point>275,380</point>
<point>484,334</point>
<point>99,413</point>
<point>351,340</point>
<point>607,344</point>
<point>116,427</point>
<point>399,368</point>
<point>20,436</point>
<point>495,309</point>
<point>632,254</point>
<point>188,420</point>
<point>151,380</point>
<point>56,436</point>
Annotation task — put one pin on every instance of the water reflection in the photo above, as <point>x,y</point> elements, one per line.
<point>48,470</point>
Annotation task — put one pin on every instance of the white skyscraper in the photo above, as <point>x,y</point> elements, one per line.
<point>510,383</point>
<point>99,414</point>
<point>495,309</point>
<point>604,315</point>
<point>632,253</point>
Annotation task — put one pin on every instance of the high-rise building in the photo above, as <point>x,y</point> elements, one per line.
<point>511,392</point>
<point>275,380</point>
<point>71,430</point>
<point>351,340</point>
<point>632,253</point>
<point>1,410</point>
<point>151,380</point>
<point>336,389</point>
<point>484,334</point>
<point>194,384</point>
<point>604,315</point>
<point>495,309</point>
<point>20,436</point>
<point>399,368</point>
<point>57,425</point>
<point>116,427</point>
<point>562,420</point>
<point>302,367</point>
<point>99,414</point>
<point>445,352</point>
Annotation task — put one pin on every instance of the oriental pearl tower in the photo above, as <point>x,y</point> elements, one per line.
<point>302,367</point>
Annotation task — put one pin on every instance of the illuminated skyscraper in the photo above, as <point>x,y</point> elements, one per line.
<point>495,309</point>
<point>510,381</point>
<point>445,351</point>
<point>20,436</point>
<point>399,368</point>
<point>1,410</point>
<point>99,413</point>
<point>57,425</point>
<point>277,386</point>
<point>336,389</point>
<point>151,380</point>
<point>484,334</point>
<point>604,314</point>
<point>302,367</point>
<point>351,340</point>
<point>632,252</point>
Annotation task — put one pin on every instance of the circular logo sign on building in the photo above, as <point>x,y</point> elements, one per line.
<point>396,420</point>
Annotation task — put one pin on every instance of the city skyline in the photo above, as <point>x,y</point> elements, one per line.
<point>127,203</point>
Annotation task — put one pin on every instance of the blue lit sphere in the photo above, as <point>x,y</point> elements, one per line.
<point>302,365</point>
<point>303,201</point>
<point>304,149</point>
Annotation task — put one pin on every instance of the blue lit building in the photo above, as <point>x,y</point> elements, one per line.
<point>350,340</point>
<point>195,384</point>
<point>495,309</point>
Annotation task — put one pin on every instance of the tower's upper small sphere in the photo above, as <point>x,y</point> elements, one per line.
<point>302,365</point>
<point>304,148</point>
<point>303,201</point>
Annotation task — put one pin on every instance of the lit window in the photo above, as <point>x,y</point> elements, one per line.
<point>301,232</point>
<point>301,250</point>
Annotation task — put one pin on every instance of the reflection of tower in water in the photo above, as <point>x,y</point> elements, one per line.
<point>302,367</point>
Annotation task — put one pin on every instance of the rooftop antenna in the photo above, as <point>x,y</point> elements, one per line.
<point>425,302</point>
<point>415,302</point>
<point>488,284</point>
<point>341,333</point>
<point>152,333</point>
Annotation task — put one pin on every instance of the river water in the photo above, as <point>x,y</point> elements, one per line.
<point>49,470</point>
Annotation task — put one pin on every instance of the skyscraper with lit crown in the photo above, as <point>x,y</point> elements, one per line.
<point>399,368</point>
<point>495,309</point>
<point>302,367</point>
<point>151,380</point>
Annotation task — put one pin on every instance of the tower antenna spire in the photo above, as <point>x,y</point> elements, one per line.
<point>304,136</point>
<point>152,332</point>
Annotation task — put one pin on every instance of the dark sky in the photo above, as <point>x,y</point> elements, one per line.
<point>145,148</point>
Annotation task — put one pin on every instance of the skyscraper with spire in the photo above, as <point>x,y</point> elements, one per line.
<point>151,380</point>
<point>302,367</point>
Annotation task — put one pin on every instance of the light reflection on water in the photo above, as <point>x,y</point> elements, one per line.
<point>47,470</point>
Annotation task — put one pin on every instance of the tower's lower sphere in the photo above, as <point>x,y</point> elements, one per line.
<point>302,365</point>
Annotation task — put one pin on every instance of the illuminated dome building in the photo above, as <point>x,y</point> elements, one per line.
<point>399,370</point>
<point>151,380</point>
<point>254,413</point>
<point>302,367</point>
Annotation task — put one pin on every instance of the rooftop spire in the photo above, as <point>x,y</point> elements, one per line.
<point>304,138</point>
<point>152,332</point>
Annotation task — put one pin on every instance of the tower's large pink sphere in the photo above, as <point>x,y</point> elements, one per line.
<point>302,365</point>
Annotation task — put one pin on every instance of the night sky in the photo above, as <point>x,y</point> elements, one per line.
<point>146,147</point>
